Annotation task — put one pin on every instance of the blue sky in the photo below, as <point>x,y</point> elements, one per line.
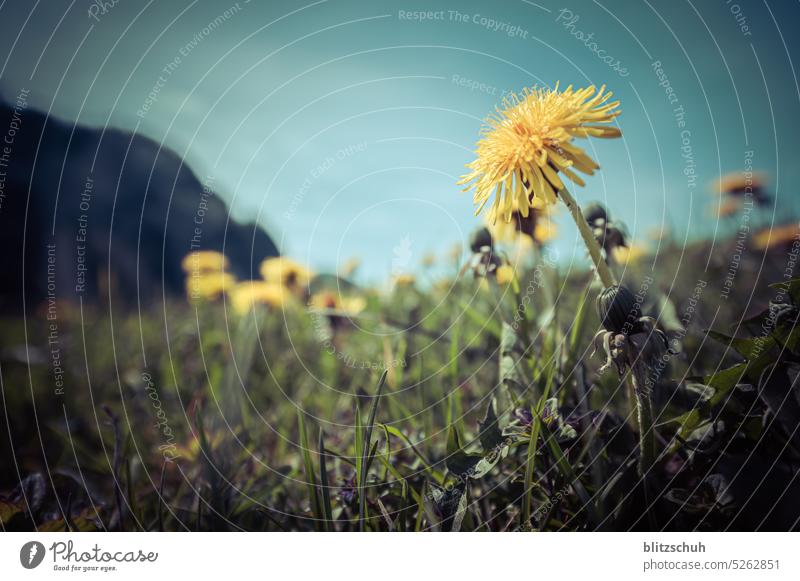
<point>343,126</point>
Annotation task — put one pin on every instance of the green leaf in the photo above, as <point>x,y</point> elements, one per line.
<point>792,287</point>
<point>459,462</point>
<point>445,507</point>
<point>747,348</point>
<point>490,434</point>
<point>530,460</point>
<point>397,433</point>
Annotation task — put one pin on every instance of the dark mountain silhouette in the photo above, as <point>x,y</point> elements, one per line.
<point>80,208</point>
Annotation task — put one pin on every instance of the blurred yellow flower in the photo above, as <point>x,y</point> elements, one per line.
<point>628,254</point>
<point>739,183</point>
<point>204,261</point>
<point>208,285</point>
<point>429,259</point>
<point>528,142</point>
<point>505,274</point>
<point>537,226</point>
<point>778,236</point>
<point>727,207</point>
<point>286,272</point>
<point>245,295</point>
<point>403,280</point>
<point>329,301</point>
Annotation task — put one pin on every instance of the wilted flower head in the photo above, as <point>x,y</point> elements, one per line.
<point>595,214</point>
<point>609,235</point>
<point>527,143</point>
<point>247,294</point>
<point>483,260</point>
<point>481,238</point>
<point>627,337</point>
<point>618,309</point>
<point>284,271</point>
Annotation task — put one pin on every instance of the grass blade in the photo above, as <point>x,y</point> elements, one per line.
<point>327,512</point>
<point>365,452</point>
<point>311,478</point>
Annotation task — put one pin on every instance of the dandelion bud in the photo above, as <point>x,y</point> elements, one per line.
<point>617,309</point>
<point>480,238</point>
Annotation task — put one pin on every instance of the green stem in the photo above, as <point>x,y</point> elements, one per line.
<point>605,274</point>
<point>644,412</point>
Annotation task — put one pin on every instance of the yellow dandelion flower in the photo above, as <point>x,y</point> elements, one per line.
<point>776,237</point>
<point>404,280</point>
<point>739,183</point>
<point>628,254</point>
<point>727,207</point>
<point>286,272</point>
<point>245,295</point>
<point>505,274</point>
<point>328,301</point>
<point>537,226</point>
<point>429,260</point>
<point>204,261</point>
<point>526,145</point>
<point>208,285</point>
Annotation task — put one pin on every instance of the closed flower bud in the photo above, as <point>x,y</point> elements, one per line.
<point>617,309</point>
<point>480,238</point>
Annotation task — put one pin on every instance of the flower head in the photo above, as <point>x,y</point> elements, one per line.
<point>204,261</point>
<point>779,236</point>
<point>327,301</point>
<point>536,227</point>
<point>245,295</point>
<point>505,274</point>
<point>527,143</point>
<point>284,271</point>
<point>628,338</point>
<point>403,280</point>
<point>208,285</point>
<point>628,254</point>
